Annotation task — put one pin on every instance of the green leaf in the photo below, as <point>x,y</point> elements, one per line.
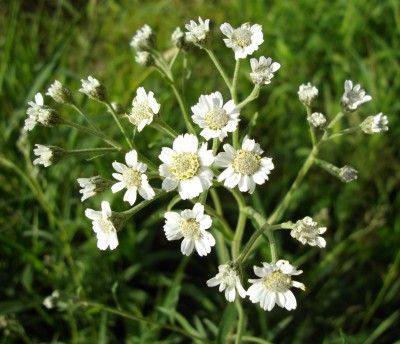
<point>227,322</point>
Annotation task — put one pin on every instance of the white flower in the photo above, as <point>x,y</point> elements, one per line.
<point>48,155</point>
<point>144,39</point>
<point>263,70</point>
<point>353,97</point>
<point>190,225</point>
<point>243,40</point>
<point>307,94</point>
<point>198,33</point>
<point>60,93</point>
<point>214,117</point>
<point>144,107</point>
<point>185,167</point>
<point>92,186</point>
<point>228,279</point>
<point>245,167</point>
<point>347,174</point>
<point>274,285</point>
<point>132,178</point>
<point>317,120</point>
<point>103,226</point>
<point>307,232</point>
<point>144,58</point>
<point>94,89</point>
<point>179,39</point>
<point>375,124</point>
<point>40,114</point>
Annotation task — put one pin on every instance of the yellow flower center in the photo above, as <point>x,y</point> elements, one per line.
<point>132,178</point>
<point>185,165</point>
<point>277,281</point>
<point>140,111</point>
<point>242,37</point>
<point>216,119</point>
<point>190,229</point>
<point>246,162</point>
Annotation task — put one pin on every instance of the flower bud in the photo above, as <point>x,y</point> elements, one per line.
<point>48,155</point>
<point>144,58</point>
<point>60,93</point>
<point>375,124</point>
<point>144,39</point>
<point>93,89</point>
<point>93,186</point>
<point>198,34</point>
<point>307,94</point>
<point>347,174</point>
<point>317,120</point>
<point>179,40</point>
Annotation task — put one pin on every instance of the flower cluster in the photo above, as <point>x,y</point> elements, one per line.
<point>189,167</point>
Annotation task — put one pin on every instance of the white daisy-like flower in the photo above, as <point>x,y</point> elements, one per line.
<point>48,155</point>
<point>244,167</point>
<point>60,93</point>
<point>92,186</point>
<point>317,120</point>
<point>103,226</point>
<point>94,89</point>
<point>375,124</point>
<point>131,176</point>
<point>307,94</point>
<point>185,167</point>
<point>263,70</point>
<point>228,279</point>
<point>144,107</point>
<point>198,33</point>
<point>307,232</point>
<point>273,286</point>
<point>144,39</point>
<point>243,40</point>
<point>214,117</point>
<point>40,114</point>
<point>353,97</point>
<point>191,225</point>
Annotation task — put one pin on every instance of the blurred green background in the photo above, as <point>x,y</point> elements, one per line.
<point>47,244</point>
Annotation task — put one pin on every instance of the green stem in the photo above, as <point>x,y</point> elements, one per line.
<point>186,118</point>
<point>91,150</point>
<point>241,223</point>
<point>150,165</point>
<point>165,128</point>
<point>129,213</point>
<point>338,116</point>
<point>80,111</point>
<point>240,325</point>
<point>227,229</point>
<point>219,67</point>
<point>253,95</point>
<point>115,116</point>
<point>312,132</point>
<point>343,132</point>
<point>234,82</point>
<point>92,132</point>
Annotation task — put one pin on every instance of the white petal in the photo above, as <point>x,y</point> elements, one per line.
<point>117,187</point>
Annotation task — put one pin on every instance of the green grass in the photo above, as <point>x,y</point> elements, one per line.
<point>46,243</point>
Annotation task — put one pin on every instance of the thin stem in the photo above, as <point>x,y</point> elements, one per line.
<point>219,67</point>
<point>227,229</point>
<point>215,145</point>
<point>186,118</point>
<point>240,324</point>
<point>343,132</point>
<point>235,81</point>
<point>92,132</point>
<point>80,111</point>
<point>91,150</point>
<point>115,116</point>
<point>241,223</point>
<point>144,203</point>
<point>150,165</point>
<point>172,62</point>
<point>312,132</point>
<point>253,95</point>
<point>165,128</point>
<point>338,116</point>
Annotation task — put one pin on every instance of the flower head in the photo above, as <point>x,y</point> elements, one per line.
<point>307,94</point>
<point>347,174</point>
<point>244,167</point>
<point>144,39</point>
<point>228,279</point>
<point>273,286</point>
<point>375,124</point>
<point>317,120</point>
<point>179,39</point>
<point>198,34</point>
<point>48,155</point>
<point>243,40</point>
<point>144,107</point>
<point>186,167</point>
<point>131,176</point>
<point>307,232</point>
<point>40,114</point>
<point>144,58</point>
<point>60,93</point>
<point>93,186</point>
<point>214,117</point>
<point>94,89</point>
<point>353,97</point>
<point>263,70</point>
<point>191,225</point>
<point>105,225</point>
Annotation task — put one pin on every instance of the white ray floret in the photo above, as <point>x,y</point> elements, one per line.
<point>131,177</point>
<point>263,70</point>
<point>186,167</point>
<point>273,286</point>
<point>244,40</point>
<point>353,96</point>
<point>144,107</point>
<point>198,33</point>
<point>214,117</point>
<point>375,124</point>
<point>307,232</point>
<point>191,225</point>
<point>244,167</point>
